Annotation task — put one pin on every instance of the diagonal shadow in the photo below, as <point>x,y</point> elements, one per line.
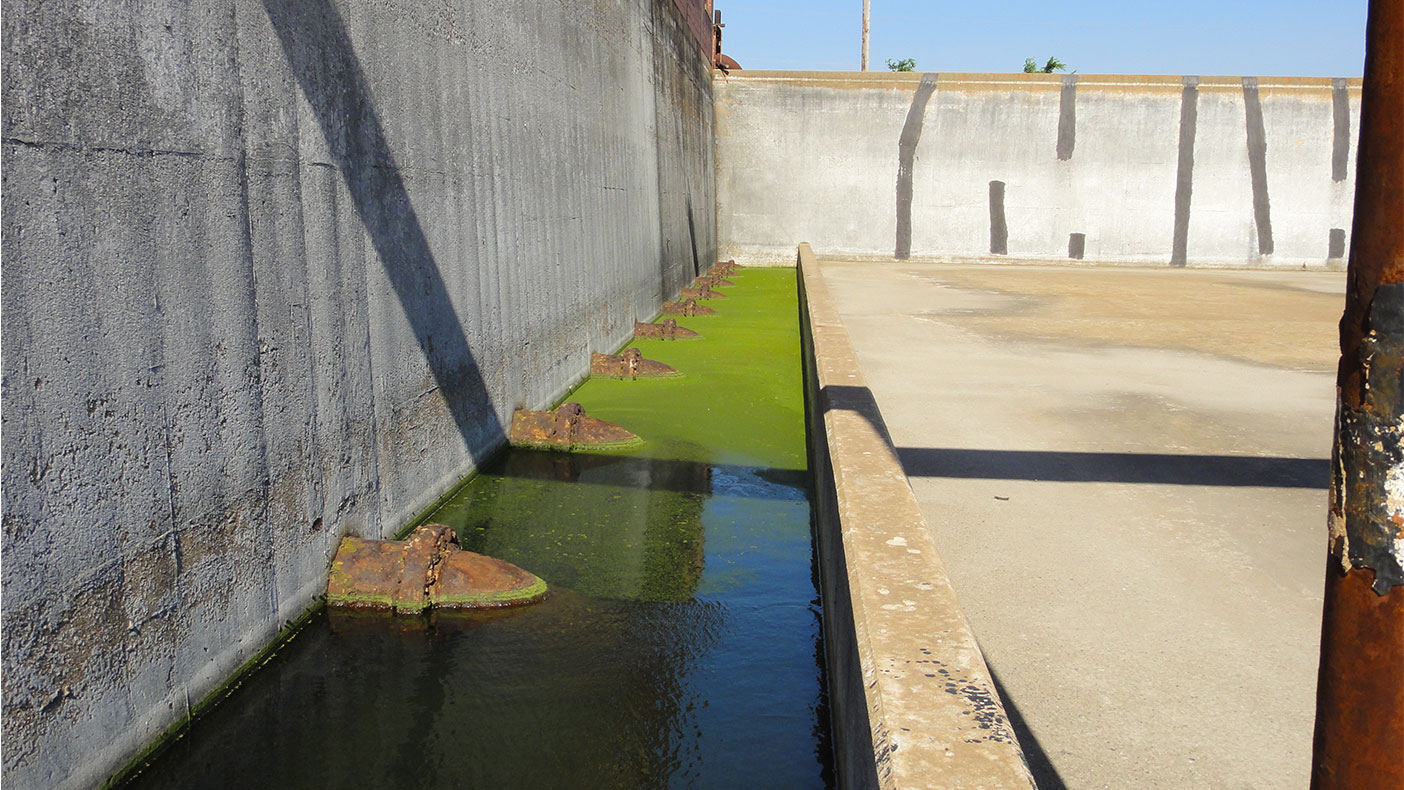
<point>657,474</point>
<point>319,51</point>
<point>1082,467</point>
<point>1045,775</point>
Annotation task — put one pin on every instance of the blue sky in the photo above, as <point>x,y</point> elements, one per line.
<point>1310,38</point>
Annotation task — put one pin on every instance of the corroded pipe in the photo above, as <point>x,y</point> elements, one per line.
<point>1359,739</point>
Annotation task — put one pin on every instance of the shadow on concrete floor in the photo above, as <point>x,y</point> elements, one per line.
<point>1086,467</point>
<point>1044,774</point>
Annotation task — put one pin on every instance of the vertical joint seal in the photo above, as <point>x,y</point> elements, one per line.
<point>1067,118</point>
<point>1257,163</point>
<point>1184,170</point>
<point>906,158</point>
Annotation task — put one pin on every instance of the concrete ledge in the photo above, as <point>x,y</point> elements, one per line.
<point>913,703</point>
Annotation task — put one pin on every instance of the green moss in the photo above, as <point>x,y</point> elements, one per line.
<point>742,391</point>
<point>360,599</point>
<point>634,530</point>
<point>532,592</point>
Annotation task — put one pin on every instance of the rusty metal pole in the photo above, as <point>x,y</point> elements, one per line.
<point>1359,739</point>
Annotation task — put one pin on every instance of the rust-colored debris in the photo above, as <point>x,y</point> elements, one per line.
<point>722,267</point>
<point>628,365</point>
<point>687,307</point>
<point>665,330</point>
<point>566,428</point>
<point>713,280</point>
<point>427,570</point>
<point>705,292</point>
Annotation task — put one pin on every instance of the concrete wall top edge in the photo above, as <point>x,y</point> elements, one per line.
<point>857,80</point>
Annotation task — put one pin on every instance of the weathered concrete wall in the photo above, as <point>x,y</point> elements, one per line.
<point>1154,170</point>
<point>279,272</point>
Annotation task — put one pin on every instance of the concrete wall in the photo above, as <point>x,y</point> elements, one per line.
<point>1153,170</point>
<point>279,272</point>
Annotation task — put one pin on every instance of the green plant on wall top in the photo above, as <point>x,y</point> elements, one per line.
<point>905,64</point>
<point>1053,64</point>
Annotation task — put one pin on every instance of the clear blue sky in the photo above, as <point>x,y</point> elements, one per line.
<point>1309,38</point>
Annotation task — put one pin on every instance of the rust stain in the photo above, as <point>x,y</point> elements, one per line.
<point>1359,738</point>
<point>665,330</point>
<point>628,365</point>
<point>566,428</point>
<point>427,570</point>
<point>713,280</point>
<point>688,307</point>
<point>705,292</point>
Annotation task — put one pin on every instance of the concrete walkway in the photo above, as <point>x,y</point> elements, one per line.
<point>1125,471</point>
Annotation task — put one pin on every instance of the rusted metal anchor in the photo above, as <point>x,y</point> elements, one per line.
<point>723,267</point>
<point>713,280</point>
<point>666,330</point>
<point>628,365</point>
<point>428,570</point>
<point>567,428</point>
<point>705,292</point>
<point>687,307</point>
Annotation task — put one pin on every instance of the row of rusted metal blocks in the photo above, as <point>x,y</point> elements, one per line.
<point>429,569</point>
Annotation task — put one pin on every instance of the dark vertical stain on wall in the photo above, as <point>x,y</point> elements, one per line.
<point>906,155</point>
<point>1257,163</point>
<point>1184,170</point>
<point>999,229</point>
<point>1335,246</point>
<point>1077,245</point>
<point>1340,139</point>
<point>1067,117</point>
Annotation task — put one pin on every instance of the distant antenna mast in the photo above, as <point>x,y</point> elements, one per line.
<point>867,7</point>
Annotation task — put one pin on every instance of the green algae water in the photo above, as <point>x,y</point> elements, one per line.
<point>680,646</point>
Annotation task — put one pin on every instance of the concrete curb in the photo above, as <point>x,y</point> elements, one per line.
<point>913,703</point>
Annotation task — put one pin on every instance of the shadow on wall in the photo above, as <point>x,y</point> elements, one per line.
<point>319,52</point>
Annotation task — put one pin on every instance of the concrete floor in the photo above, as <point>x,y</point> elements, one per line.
<point>1125,471</point>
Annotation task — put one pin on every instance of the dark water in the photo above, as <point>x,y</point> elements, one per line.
<point>680,645</point>
<point>680,648</point>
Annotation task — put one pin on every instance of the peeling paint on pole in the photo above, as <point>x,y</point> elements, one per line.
<point>1366,520</point>
<point>1359,738</point>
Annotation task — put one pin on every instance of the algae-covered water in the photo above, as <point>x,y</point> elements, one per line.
<point>680,646</point>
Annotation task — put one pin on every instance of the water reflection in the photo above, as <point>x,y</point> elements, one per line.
<point>607,526</point>
<point>676,649</point>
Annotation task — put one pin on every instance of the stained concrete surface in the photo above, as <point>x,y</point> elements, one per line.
<point>1212,171</point>
<point>275,273</point>
<point>1125,472</point>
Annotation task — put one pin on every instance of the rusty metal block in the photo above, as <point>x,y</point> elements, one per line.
<point>629,365</point>
<point>723,267</point>
<point>428,569</point>
<point>712,280</point>
<point>665,330</point>
<point>688,307</point>
<point>705,292</point>
<point>567,428</point>
<point>467,580</point>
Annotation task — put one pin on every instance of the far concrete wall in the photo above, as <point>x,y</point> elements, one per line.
<point>275,273</point>
<point>1213,171</point>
